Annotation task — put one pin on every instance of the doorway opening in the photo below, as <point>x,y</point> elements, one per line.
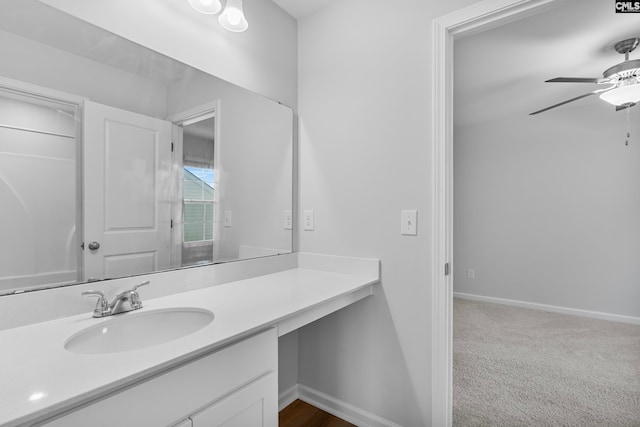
<point>196,161</point>
<point>465,22</point>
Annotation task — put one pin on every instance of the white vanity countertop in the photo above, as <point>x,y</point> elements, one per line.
<point>39,377</point>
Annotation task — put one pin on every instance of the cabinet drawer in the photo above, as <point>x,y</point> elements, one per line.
<point>173,395</point>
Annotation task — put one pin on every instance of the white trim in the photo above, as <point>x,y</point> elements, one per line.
<point>475,18</point>
<point>553,308</point>
<point>287,397</point>
<point>441,299</point>
<point>41,92</point>
<point>489,14</point>
<point>195,114</point>
<point>334,406</point>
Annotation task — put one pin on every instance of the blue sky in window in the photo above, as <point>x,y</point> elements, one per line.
<point>204,174</point>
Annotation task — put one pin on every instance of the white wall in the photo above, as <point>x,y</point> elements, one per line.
<point>548,211</point>
<point>365,154</point>
<point>43,65</point>
<point>262,59</point>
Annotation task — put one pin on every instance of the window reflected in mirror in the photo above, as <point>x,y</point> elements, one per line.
<point>198,192</point>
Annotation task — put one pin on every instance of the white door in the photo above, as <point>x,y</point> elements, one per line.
<point>127,192</point>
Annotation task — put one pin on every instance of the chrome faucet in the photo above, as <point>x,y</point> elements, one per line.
<point>125,301</point>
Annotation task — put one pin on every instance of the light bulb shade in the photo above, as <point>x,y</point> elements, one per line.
<point>233,17</point>
<point>628,94</point>
<point>208,7</point>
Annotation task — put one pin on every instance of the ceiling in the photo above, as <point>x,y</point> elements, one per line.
<point>500,73</point>
<point>301,8</point>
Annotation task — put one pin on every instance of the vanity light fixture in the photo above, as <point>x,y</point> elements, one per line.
<point>208,7</point>
<point>232,18</point>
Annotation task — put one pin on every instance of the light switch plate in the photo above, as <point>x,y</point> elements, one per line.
<point>308,221</point>
<point>288,220</point>
<point>227,218</point>
<point>409,223</point>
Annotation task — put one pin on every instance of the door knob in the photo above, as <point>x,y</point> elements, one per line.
<point>94,246</point>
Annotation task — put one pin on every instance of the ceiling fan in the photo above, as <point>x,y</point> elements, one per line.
<point>624,79</point>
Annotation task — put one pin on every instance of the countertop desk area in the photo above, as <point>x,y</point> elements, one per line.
<point>40,378</point>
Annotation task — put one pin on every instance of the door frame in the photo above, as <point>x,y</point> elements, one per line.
<point>478,17</point>
<point>191,115</point>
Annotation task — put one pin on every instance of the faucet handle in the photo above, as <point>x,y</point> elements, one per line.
<point>102,306</point>
<point>135,287</point>
<point>135,300</point>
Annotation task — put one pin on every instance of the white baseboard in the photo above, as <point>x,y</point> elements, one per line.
<point>287,397</point>
<point>553,308</point>
<point>336,407</point>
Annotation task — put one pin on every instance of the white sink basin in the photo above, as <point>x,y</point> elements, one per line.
<point>136,330</point>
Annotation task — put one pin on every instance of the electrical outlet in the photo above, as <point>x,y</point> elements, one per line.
<point>308,221</point>
<point>288,220</point>
<point>471,274</point>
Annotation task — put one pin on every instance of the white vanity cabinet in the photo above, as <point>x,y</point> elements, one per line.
<point>245,408</point>
<point>233,386</point>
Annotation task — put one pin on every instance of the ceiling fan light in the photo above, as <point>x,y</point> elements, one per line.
<point>233,17</point>
<point>623,95</point>
<point>208,7</point>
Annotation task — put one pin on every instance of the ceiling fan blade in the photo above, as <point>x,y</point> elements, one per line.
<point>624,107</point>
<point>565,102</point>
<point>574,80</point>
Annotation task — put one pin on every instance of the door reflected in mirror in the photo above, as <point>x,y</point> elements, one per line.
<point>118,161</point>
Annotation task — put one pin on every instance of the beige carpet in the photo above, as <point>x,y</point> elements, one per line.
<point>520,367</point>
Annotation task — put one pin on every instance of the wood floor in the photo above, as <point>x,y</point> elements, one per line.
<point>301,414</point>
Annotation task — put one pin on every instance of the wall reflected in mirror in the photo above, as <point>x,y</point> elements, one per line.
<point>118,161</point>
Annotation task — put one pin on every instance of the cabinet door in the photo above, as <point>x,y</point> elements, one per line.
<point>252,406</point>
<point>180,392</point>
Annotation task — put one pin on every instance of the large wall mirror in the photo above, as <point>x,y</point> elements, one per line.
<point>117,161</point>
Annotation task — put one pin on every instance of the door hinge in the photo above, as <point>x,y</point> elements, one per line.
<point>446,269</point>
<point>171,224</point>
<point>172,147</point>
